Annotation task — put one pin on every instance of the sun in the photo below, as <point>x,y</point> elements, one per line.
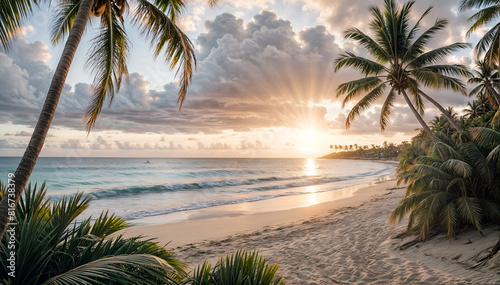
<point>311,140</point>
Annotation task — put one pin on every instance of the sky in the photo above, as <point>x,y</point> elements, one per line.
<point>265,85</point>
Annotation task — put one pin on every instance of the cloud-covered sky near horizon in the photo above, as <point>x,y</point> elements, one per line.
<point>265,86</point>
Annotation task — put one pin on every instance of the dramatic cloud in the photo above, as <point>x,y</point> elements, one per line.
<point>251,75</point>
<point>342,14</point>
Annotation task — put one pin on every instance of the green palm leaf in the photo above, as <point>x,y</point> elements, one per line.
<point>366,66</point>
<point>470,210</point>
<point>385,113</point>
<point>12,12</point>
<point>63,19</point>
<point>450,219</point>
<point>365,103</point>
<point>107,60</point>
<point>114,268</point>
<point>165,35</point>
<point>457,167</point>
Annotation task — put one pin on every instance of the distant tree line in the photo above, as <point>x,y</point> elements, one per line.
<point>387,150</point>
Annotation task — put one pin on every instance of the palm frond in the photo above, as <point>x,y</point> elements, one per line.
<point>457,167</point>
<point>408,204</point>
<point>449,219</point>
<point>358,86</point>
<point>482,17</point>
<point>366,66</point>
<point>486,136</point>
<point>436,55</point>
<point>364,103</point>
<point>114,268</point>
<point>63,18</point>
<point>470,210</point>
<point>385,113</point>
<point>12,12</point>
<point>164,34</point>
<point>107,60</point>
<point>418,46</point>
<point>368,43</point>
<point>106,225</point>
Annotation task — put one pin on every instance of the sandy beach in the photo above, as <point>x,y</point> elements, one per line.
<point>345,241</point>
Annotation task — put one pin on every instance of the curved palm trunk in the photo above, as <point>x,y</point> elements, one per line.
<point>37,140</point>
<point>422,122</point>
<point>445,113</point>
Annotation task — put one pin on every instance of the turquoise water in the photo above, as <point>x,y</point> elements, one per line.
<point>141,187</point>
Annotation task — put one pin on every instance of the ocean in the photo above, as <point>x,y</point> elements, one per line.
<point>137,188</point>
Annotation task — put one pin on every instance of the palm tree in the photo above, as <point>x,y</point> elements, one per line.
<point>477,108</point>
<point>487,80</point>
<point>107,61</point>
<point>489,44</point>
<point>55,246</point>
<point>402,63</point>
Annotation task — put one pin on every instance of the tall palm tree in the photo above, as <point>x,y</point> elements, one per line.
<point>489,44</point>
<point>487,80</point>
<point>401,63</point>
<point>107,62</point>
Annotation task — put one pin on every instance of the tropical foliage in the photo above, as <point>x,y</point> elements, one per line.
<point>384,151</point>
<point>489,44</point>
<point>54,246</point>
<point>12,12</point>
<point>450,195</point>
<point>402,64</point>
<point>487,81</point>
<point>241,268</point>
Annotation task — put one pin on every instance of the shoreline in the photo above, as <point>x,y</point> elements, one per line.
<point>339,242</point>
<point>223,221</point>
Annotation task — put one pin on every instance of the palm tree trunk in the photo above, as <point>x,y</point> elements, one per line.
<point>37,140</point>
<point>495,95</point>
<point>445,113</point>
<point>422,122</point>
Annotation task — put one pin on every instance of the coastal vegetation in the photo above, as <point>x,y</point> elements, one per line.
<point>240,268</point>
<point>388,151</point>
<point>55,245</point>
<point>452,167</point>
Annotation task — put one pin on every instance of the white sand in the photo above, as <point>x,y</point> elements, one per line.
<point>346,241</point>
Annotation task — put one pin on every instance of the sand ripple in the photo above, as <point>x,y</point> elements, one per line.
<point>348,246</point>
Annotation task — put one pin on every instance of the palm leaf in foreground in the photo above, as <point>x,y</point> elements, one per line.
<point>53,247</point>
